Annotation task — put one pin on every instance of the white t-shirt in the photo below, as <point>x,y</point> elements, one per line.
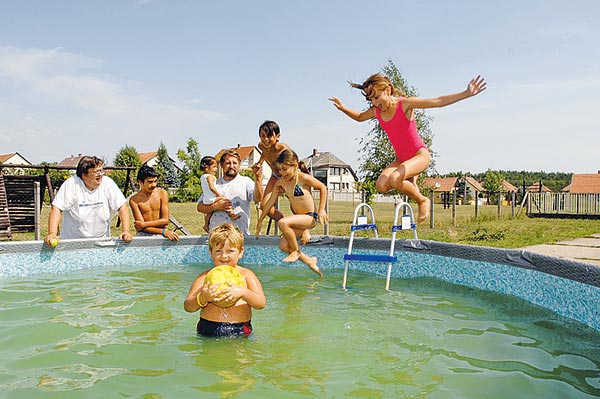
<point>87,213</point>
<point>240,191</point>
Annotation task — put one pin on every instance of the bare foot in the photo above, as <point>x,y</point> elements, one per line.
<point>292,257</point>
<point>305,238</point>
<point>423,210</point>
<point>234,216</point>
<point>312,263</point>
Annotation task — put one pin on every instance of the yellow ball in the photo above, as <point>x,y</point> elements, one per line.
<point>54,242</point>
<point>222,275</point>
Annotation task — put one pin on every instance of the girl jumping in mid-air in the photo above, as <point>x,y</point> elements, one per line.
<point>395,114</point>
<point>208,165</point>
<point>295,183</point>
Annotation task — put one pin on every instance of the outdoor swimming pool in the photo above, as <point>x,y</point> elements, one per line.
<point>95,320</point>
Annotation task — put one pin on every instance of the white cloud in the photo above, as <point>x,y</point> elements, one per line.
<point>141,3</point>
<point>55,94</point>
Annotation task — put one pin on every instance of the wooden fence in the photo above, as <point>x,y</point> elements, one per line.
<point>5,231</point>
<point>563,205</point>
<point>21,202</point>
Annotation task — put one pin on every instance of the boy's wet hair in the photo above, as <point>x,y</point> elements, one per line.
<point>145,172</point>
<point>206,161</point>
<point>376,83</point>
<point>86,163</point>
<point>270,128</point>
<point>223,232</point>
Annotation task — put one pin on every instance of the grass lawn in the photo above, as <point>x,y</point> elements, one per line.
<point>487,229</point>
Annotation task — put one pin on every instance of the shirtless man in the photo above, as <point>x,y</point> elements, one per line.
<point>150,206</point>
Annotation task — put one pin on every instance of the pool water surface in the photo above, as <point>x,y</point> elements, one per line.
<point>122,332</point>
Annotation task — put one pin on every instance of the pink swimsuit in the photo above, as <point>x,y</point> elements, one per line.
<point>402,133</point>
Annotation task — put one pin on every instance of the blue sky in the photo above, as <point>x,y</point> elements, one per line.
<point>93,76</point>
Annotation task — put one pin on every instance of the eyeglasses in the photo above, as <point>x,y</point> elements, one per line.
<point>98,172</point>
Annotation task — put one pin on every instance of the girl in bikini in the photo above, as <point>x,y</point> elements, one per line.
<point>295,183</point>
<point>395,114</point>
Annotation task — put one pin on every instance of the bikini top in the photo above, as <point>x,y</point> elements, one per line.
<point>298,192</point>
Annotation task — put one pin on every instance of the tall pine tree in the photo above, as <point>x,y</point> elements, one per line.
<point>167,174</point>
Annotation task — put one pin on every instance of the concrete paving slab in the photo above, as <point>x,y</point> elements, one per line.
<point>585,249</point>
<point>591,242</point>
<point>577,253</point>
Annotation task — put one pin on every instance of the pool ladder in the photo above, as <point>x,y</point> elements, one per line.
<point>407,222</point>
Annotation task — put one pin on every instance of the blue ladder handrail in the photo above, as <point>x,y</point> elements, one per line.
<point>408,223</point>
<point>356,227</point>
<point>371,258</point>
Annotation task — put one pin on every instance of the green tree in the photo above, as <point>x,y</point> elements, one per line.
<point>126,156</point>
<point>492,182</point>
<point>167,174</point>
<point>368,188</point>
<point>189,187</point>
<point>376,152</point>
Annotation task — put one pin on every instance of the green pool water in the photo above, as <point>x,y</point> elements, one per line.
<point>119,333</point>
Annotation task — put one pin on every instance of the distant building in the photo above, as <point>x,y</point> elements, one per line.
<point>13,158</point>
<point>444,187</point>
<point>151,159</point>
<point>9,160</point>
<point>584,184</point>
<point>538,187</point>
<point>337,175</point>
<point>71,161</point>
<point>509,187</point>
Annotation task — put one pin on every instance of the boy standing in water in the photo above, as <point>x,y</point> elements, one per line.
<point>150,206</point>
<point>226,246</point>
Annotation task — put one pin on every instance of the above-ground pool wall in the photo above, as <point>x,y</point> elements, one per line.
<point>569,288</point>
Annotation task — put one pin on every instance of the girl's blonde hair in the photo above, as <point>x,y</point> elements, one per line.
<point>376,83</point>
<point>290,158</point>
<point>223,232</point>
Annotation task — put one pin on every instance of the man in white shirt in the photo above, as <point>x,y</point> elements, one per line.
<point>238,191</point>
<point>88,201</point>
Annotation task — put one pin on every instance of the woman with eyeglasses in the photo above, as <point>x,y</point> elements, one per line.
<point>88,200</point>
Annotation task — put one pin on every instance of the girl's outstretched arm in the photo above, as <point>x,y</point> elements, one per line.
<point>356,115</point>
<point>475,86</point>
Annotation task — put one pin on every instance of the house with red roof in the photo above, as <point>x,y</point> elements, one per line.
<point>13,158</point>
<point>70,161</point>
<point>151,159</point>
<point>538,187</point>
<point>582,183</point>
<point>10,161</point>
